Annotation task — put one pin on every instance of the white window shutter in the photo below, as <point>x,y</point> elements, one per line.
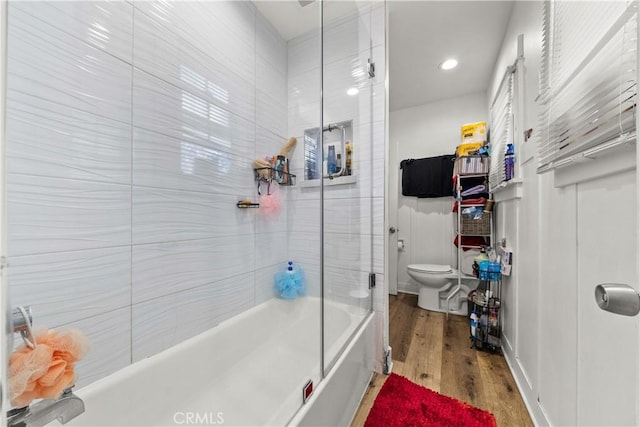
<point>501,129</point>
<point>545,60</point>
<point>588,79</point>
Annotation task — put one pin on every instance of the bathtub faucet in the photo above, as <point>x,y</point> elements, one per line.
<point>65,408</point>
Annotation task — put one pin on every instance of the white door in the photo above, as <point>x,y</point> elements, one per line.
<point>608,344</point>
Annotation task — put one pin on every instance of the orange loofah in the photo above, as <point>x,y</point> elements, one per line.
<point>46,370</point>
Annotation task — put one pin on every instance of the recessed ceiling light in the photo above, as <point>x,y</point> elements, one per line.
<point>352,91</point>
<point>449,64</point>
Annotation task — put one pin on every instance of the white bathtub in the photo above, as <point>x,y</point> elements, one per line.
<point>249,370</point>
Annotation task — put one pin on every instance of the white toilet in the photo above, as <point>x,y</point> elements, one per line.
<point>436,283</point>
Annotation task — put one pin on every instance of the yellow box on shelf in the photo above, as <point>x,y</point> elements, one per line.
<point>468,148</point>
<point>473,132</point>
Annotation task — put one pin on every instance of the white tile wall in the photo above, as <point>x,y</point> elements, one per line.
<point>63,287</point>
<point>159,51</point>
<point>161,215</point>
<point>165,268</point>
<point>264,283</point>
<point>131,134</point>
<point>221,30</point>
<point>189,164</point>
<point>53,140</point>
<point>161,323</point>
<point>270,80</point>
<point>354,215</point>
<point>269,113</point>
<point>347,36</point>
<point>58,215</point>
<point>164,108</point>
<point>270,46</point>
<point>105,25</point>
<point>110,337</point>
<point>302,53</point>
<point>55,66</point>
<point>271,249</point>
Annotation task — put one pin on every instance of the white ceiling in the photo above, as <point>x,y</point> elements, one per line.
<point>291,19</point>
<point>422,34</point>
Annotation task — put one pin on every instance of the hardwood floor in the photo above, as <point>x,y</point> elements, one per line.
<point>439,356</point>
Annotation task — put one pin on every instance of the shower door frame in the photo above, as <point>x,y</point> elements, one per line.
<point>4,301</point>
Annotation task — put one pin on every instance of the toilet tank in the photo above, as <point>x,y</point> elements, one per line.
<point>466,265</point>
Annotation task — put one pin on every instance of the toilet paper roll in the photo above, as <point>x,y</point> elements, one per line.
<point>401,245</point>
<point>618,298</point>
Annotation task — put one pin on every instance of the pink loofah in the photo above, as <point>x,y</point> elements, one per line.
<point>270,203</point>
<point>46,370</point>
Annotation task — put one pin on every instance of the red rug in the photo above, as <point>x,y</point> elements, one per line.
<point>403,403</point>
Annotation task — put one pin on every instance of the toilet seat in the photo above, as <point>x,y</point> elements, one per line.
<point>431,268</point>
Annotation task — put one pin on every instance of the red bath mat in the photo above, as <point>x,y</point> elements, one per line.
<point>403,403</point>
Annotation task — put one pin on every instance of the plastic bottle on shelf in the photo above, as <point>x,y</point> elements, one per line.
<point>474,324</point>
<point>348,161</point>
<point>331,160</point>
<point>493,320</point>
<point>484,322</point>
<point>509,162</point>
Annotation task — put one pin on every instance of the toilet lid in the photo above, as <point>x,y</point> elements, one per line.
<point>430,268</point>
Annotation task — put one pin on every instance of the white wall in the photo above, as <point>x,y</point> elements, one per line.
<point>131,133</point>
<point>426,225</point>
<point>575,364</point>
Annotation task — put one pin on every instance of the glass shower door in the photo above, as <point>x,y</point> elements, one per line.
<point>347,166</point>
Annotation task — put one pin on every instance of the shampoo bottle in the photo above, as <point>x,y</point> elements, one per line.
<point>509,162</point>
<point>331,160</point>
<point>349,160</point>
<point>474,324</point>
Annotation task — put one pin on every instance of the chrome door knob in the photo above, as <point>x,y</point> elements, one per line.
<point>393,230</point>
<point>618,298</point>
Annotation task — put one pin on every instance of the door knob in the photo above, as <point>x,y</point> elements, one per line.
<point>618,298</point>
<point>393,230</point>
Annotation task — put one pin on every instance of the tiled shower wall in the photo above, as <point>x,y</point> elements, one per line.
<point>131,132</point>
<point>353,213</point>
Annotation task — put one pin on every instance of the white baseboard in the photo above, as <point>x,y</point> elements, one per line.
<point>407,288</point>
<point>536,412</point>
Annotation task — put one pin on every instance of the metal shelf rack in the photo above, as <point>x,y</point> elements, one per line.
<point>465,227</point>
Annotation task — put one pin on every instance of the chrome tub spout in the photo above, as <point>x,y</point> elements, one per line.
<point>64,409</point>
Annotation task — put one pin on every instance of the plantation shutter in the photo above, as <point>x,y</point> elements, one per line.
<point>588,87</point>
<point>501,129</point>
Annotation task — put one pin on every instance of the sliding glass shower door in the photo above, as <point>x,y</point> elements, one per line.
<point>347,166</point>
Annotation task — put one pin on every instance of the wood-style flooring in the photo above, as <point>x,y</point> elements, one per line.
<point>438,355</point>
